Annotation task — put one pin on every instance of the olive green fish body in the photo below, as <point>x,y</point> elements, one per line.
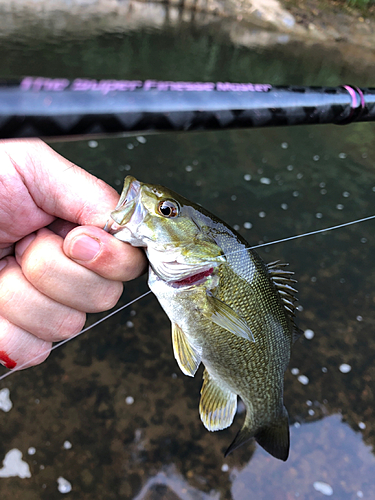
<point>227,308</point>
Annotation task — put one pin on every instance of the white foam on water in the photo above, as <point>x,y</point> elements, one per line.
<point>5,402</point>
<point>14,466</point>
<point>345,368</point>
<point>309,334</point>
<point>63,485</point>
<point>265,180</point>
<point>303,379</point>
<point>324,488</point>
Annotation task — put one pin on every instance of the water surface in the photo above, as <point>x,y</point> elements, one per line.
<point>116,393</point>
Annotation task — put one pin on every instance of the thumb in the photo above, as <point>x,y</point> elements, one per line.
<point>104,254</point>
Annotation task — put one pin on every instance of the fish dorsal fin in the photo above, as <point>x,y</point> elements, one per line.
<point>186,356</point>
<point>217,405</point>
<point>284,283</point>
<point>297,332</point>
<point>223,315</point>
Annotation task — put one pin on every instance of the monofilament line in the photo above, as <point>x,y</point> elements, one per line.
<point>318,231</point>
<point>74,336</point>
<point>314,232</point>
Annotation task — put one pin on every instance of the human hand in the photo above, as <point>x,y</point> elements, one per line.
<point>56,264</point>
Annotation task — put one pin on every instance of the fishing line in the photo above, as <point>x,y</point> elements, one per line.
<point>303,235</point>
<point>147,293</point>
<point>74,336</point>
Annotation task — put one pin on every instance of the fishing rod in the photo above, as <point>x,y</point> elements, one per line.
<point>56,107</point>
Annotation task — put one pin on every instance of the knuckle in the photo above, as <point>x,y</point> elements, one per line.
<point>37,269</point>
<point>38,356</point>
<point>70,325</point>
<point>108,297</point>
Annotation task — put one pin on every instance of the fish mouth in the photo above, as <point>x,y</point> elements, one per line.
<point>128,208</point>
<point>128,200</point>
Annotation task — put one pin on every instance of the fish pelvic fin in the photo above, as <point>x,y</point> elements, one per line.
<point>223,315</point>
<point>274,438</point>
<point>217,405</point>
<point>187,357</point>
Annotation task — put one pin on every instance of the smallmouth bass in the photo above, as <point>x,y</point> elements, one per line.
<point>228,309</point>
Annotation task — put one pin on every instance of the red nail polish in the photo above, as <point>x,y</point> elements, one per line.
<point>6,361</point>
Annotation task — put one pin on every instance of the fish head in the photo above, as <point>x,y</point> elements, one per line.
<point>174,231</point>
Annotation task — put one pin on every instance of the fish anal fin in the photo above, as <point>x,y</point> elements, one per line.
<point>187,357</point>
<point>217,405</point>
<point>223,315</point>
<point>243,435</point>
<point>275,437</point>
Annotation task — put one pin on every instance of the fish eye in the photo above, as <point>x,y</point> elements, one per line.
<point>168,208</point>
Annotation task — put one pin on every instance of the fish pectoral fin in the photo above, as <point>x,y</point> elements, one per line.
<point>275,437</point>
<point>186,356</point>
<point>227,318</point>
<point>217,406</point>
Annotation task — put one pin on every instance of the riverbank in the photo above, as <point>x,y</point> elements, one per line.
<point>323,20</point>
<point>324,23</point>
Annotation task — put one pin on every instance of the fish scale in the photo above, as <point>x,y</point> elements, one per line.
<point>228,309</point>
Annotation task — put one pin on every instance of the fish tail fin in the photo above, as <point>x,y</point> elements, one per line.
<point>274,438</point>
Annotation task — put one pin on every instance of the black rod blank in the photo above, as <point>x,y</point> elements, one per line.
<point>46,107</point>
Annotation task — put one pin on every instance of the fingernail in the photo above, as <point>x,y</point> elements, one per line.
<point>3,263</point>
<point>84,248</point>
<point>23,244</point>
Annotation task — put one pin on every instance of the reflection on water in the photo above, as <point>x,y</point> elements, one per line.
<point>116,394</point>
<point>171,485</point>
<point>309,469</point>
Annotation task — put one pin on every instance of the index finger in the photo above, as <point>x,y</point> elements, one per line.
<point>59,187</point>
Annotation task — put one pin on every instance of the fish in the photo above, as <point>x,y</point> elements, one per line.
<point>228,309</point>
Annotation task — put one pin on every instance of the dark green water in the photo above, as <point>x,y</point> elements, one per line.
<point>153,445</point>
